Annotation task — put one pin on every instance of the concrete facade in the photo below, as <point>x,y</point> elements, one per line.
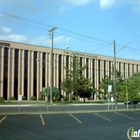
<point>20,73</point>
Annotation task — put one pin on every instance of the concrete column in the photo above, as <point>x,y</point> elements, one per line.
<point>31,72</point>
<point>130,70</point>
<point>29,75</point>
<point>9,73</point>
<point>13,67</point>
<point>101,69</point>
<point>57,71</point>
<point>54,70</point>
<point>126,70</point>
<point>135,68</point>
<point>1,71</point>
<point>38,74</point>
<point>62,73</point>
<point>22,72</point>
<point>19,72</point>
<point>47,82</point>
<point>107,68</point>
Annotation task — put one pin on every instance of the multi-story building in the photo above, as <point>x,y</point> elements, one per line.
<point>20,73</point>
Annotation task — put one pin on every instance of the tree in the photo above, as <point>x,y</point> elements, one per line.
<point>56,93</point>
<point>133,87</point>
<point>75,80</point>
<point>66,85</point>
<point>103,87</point>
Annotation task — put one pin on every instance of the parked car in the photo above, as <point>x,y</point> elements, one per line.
<point>132,102</point>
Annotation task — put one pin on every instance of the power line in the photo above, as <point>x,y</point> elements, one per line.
<point>72,32</point>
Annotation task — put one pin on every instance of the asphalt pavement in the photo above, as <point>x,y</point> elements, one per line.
<point>76,108</point>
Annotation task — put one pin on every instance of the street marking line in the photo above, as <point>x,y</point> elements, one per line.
<point>42,119</point>
<point>3,119</point>
<point>135,112</point>
<point>124,116</point>
<point>103,117</point>
<point>75,118</point>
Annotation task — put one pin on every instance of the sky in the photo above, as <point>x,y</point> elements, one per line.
<point>88,26</point>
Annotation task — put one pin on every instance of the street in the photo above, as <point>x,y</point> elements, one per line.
<point>60,108</point>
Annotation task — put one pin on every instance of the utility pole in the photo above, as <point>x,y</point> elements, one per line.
<point>115,94</point>
<point>51,63</point>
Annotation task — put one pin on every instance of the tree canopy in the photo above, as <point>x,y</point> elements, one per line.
<point>132,86</point>
<point>75,80</point>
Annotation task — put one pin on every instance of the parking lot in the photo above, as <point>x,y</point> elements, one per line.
<point>71,126</point>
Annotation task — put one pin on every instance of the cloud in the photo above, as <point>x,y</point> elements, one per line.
<point>136,4</point>
<point>80,2</point>
<point>104,4</point>
<point>7,33</point>
<point>5,30</point>
<point>61,39</point>
<point>14,37</point>
<point>63,9</point>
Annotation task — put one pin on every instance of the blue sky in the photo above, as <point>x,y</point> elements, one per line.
<point>83,25</point>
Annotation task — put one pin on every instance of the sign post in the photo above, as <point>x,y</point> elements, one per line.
<point>19,100</point>
<point>109,91</point>
<point>112,100</point>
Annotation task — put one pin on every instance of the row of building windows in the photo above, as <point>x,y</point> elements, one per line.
<point>90,72</point>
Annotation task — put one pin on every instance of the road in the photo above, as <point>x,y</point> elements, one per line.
<point>59,108</point>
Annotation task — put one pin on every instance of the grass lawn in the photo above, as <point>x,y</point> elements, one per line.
<point>15,102</point>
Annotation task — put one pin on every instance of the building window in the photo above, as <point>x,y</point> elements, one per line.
<point>35,74</point>
<point>43,69</point>
<point>109,69</point>
<point>59,68</point>
<point>80,65</point>
<point>5,83</point>
<point>87,67</point>
<point>128,70</point>
<point>16,74</point>
<point>67,64</point>
<point>25,73</point>
<point>99,73</point>
<point>93,71</point>
<point>104,68</point>
<point>119,66</point>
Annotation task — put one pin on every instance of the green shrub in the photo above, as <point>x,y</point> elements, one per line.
<point>73,97</point>
<point>65,98</point>
<point>12,98</point>
<point>23,98</point>
<point>40,98</point>
<point>2,98</point>
<point>32,98</point>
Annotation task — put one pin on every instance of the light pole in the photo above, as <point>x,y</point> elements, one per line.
<point>115,94</point>
<point>51,64</point>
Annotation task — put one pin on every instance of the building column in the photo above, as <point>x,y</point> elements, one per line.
<point>19,72</point>
<point>39,64</point>
<point>62,73</point>
<point>47,67</point>
<point>9,74</point>
<point>22,73</point>
<point>12,71</point>
<point>101,69</point>
<point>57,71</point>
<point>135,68</point>
<point>40,74</point>
<point>54,70</point>
<point>1,71</point>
